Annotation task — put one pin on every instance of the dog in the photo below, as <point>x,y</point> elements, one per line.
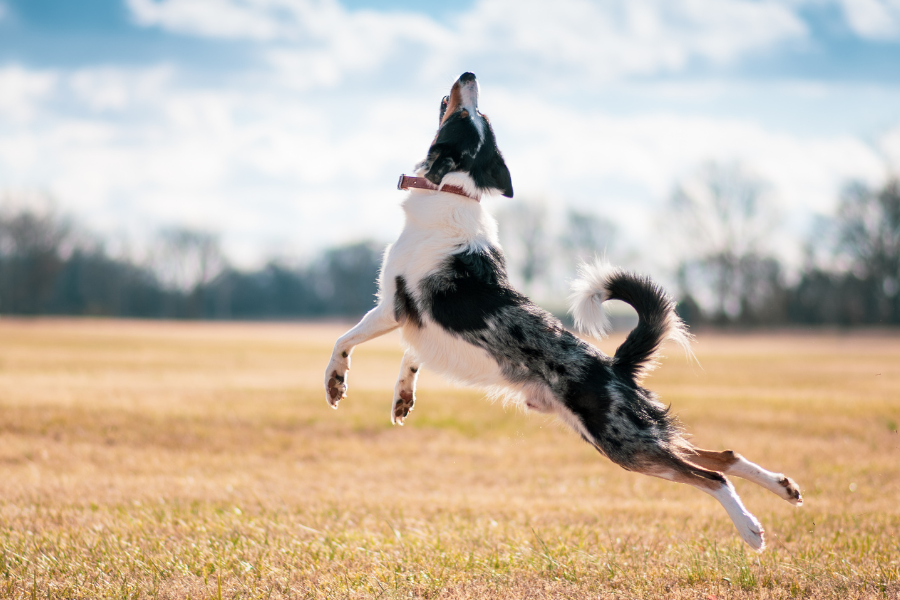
<point>444,284</point>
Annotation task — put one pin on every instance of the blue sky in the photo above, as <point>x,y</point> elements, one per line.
<point>283,124</point>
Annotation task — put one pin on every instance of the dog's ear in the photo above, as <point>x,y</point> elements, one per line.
<point>496,175</point>
<point>490,170</point>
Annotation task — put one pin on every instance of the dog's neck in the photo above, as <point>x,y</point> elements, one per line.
<point>448,215</point>
<point>460,180</point>
<point>420,183</point>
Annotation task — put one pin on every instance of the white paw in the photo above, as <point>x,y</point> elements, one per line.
<point>752,532</point>
<point>790,491</point>
<point>336,379</point>
<point>404,400</point>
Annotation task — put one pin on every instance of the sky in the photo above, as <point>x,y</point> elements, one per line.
<point>283,125</point>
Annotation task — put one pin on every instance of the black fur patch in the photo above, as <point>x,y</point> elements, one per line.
<point>405,306</point>
<point>653,307</point>
<point>470,296</point>
<point>469,290</point>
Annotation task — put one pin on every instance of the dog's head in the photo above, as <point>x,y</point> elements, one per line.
<point>465,142</point>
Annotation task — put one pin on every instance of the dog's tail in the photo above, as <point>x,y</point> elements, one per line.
<point>657,320</point>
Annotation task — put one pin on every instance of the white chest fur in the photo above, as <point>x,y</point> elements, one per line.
<point>439,225</point>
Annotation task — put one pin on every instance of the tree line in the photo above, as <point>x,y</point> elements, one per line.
<point>48,267</point>
<point>719,225</point>
<point>850,274</point>
<point>719,234</point>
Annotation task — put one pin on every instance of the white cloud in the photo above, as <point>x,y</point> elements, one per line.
<point>576,39</point>
<point>890,148</point>
<point>623,37</point>
<point>277,168</point>
<point>300,21</point>
<point>213,18</point>
<point>625,166</point>
<point>21,90</point>
<point>278,172</point>
<point>875,19</point>
<point>315,43</point>
<point>111,89</point>
<point>136,150</point>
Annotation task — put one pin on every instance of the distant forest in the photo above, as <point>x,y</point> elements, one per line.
<point>725,275</point>
<point>48,269</point>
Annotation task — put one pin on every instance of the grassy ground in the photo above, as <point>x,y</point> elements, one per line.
<point>153,460</point>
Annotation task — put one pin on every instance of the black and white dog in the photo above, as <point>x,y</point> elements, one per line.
<point>444,284</point>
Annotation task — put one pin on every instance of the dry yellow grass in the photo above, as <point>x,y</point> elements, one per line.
<point>161,460</point>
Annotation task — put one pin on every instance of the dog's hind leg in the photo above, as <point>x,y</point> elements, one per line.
<point>636,432</point>
<point>716,485</point>
<point>731,463</point>
<point>405,389</point>
<point>378,321</point>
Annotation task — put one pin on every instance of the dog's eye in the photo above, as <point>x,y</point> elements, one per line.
<point>444,104</point>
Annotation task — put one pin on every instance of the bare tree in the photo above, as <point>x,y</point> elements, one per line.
<point>868,231</point>
<point>587,235</point>
<point>33,242</point>
<point>524,235</point>
<point>723,220</point>
<point>187,258</point>
<point>345,278</point>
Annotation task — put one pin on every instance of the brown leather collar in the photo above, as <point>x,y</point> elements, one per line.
<point>421,183</point>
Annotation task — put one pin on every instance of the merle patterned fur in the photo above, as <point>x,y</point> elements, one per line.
<point>470,296</point>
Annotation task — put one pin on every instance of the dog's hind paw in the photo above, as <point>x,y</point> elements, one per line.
<point>753,533</point>
<point>750,529</point>
<point>791,491</point>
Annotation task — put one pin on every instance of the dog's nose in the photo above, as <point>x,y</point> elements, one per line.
<point>467,77</point>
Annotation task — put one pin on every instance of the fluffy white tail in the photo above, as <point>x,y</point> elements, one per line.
<point>589,292</point>
<point>657,319</point>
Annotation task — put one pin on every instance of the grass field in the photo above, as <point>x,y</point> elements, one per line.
<point>161,460</point>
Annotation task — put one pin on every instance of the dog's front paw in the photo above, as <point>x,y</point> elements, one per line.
<point>336,380</point>
<point>336,386</point>
<point>404,399</point>
<point>403,403</point>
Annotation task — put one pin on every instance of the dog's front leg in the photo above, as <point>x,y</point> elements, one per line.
<point>378,321</point>
<point>405,390</point>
